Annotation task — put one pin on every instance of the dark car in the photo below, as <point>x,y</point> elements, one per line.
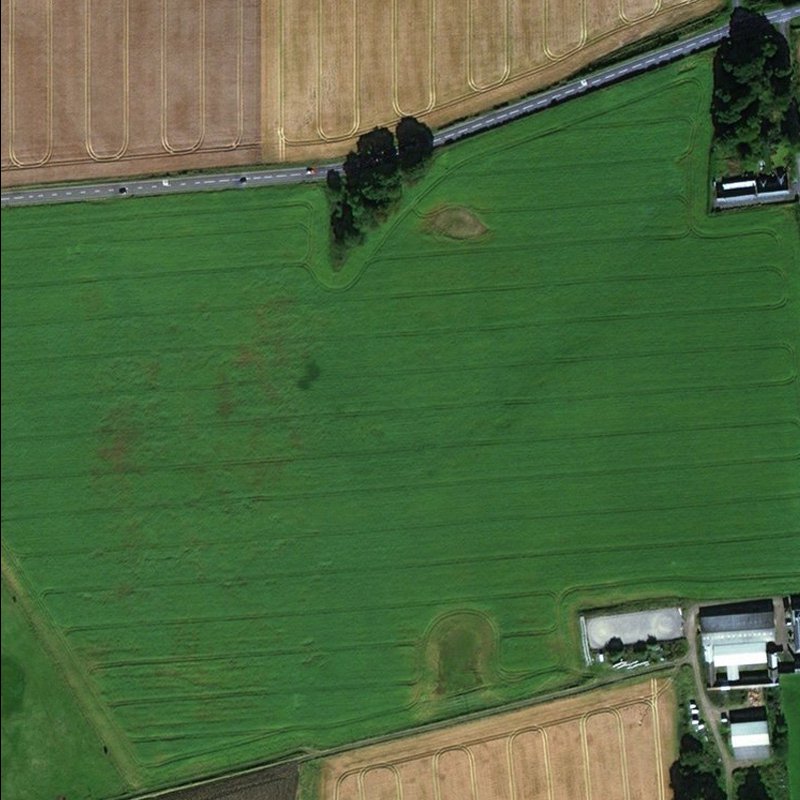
<point>123,190</point>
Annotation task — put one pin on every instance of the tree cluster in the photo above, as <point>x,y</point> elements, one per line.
<point>752,787</point>
<point>373,176</point>
<point>752,105</point>
<point>695,775</point>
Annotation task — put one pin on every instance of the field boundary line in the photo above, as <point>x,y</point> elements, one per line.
<point>87,66</point>
<point>95,711</point>
<point>12,153</point>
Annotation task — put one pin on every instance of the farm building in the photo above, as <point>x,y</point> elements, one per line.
<point>792,606</point>
<point>735,638</point>
<point>749,733</point>
<point>761,188</point>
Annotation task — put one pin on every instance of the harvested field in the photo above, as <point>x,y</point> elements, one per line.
<point>612,744</point>
<point>183,84</point>
<point>345,67</point>
<point>270,507</point>
<point>106,88</point>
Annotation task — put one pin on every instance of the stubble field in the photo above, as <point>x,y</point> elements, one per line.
<point>612,744</point>
<point>337,68</point>
<point>100,89</point>
<point>129,87</point>
<point>260,506</point>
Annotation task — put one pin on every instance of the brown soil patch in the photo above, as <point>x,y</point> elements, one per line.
<point>455,222</point>
<point>610,743</point>
<point>269,783</point>
<point>126,87</point>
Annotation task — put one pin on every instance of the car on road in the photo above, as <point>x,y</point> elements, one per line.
<point>311,170</point>
<point>123,190</point>
<point>243,179</point>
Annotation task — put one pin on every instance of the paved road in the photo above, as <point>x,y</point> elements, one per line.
<point>490,119</point>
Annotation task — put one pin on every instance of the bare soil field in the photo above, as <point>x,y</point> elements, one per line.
<point>126,87</point>
<point>611,743</point>
<point>106,88</point>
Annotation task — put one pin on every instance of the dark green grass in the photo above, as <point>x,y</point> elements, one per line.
<point>245,498</point>
<point>49,749</point>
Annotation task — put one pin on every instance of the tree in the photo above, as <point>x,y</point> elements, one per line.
<point>791,122</point>
<point>640,646</point>
<point>334,181</point>
<point>372,170</point>
<point>752,787</point>
<point>414,143</point>
<point>752,70</point>
<point>343,223</point>
<point>614,646</point>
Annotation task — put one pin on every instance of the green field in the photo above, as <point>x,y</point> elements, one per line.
<point>40,718</point>
<point>790,697</point>
<point>245,496</point>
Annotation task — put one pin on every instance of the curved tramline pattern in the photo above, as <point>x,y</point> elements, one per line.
<point>530,753</point>
<point>409,80</point>
<point>447,69</point>
<point>488,37</point>
<point>267,517</point>
<point>338,77</point>
<point>176,84</point>
<point>176,87</point>
<point>109,126</point>
<point>245,81</point>
<point>25,79</point>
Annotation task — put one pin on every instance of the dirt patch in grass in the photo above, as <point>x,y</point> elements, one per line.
<point>455,222</point>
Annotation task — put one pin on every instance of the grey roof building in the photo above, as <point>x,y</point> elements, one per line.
<point>754,615</point>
